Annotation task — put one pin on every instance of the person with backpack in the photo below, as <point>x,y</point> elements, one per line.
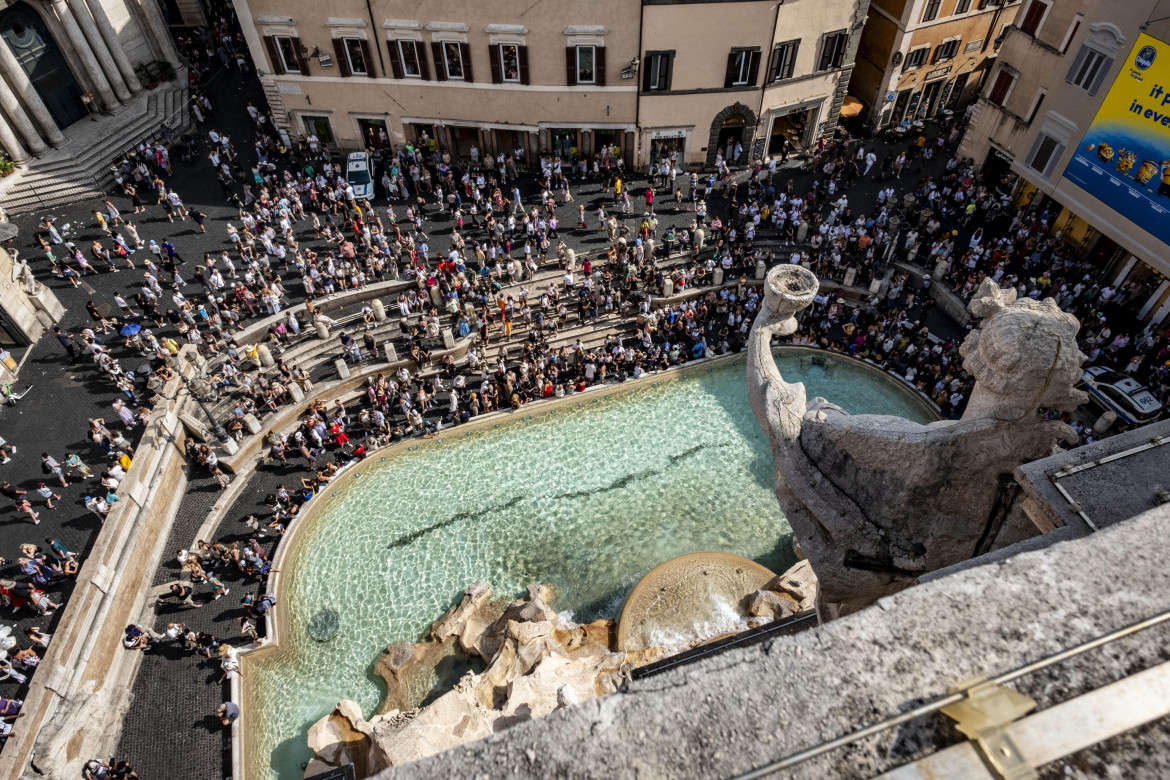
<point>51,466</point>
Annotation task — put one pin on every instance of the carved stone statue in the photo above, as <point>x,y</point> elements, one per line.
<point>23,274</point>
<point>876,501</point>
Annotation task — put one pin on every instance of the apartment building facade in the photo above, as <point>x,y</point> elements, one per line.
<point>917,58</point>
<point>541,76</point>
<point>719,74</point>
<point>1072,107</point>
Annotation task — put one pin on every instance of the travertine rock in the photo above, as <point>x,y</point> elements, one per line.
<point>876,501</point>
<point>770,604</point>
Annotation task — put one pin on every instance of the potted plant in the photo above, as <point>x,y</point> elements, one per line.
<point>7,167</point>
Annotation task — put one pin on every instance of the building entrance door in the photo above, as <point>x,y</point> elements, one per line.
<point>929,98</point>
<point>730,134</point>
<point>27,35</point>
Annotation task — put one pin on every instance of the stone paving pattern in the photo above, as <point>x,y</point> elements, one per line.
<point>170,730</point>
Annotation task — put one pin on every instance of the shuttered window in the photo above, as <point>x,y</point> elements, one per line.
<point>1089,69</point>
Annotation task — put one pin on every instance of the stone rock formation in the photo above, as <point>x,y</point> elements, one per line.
<point>786,594</point>
<point>876,501</point>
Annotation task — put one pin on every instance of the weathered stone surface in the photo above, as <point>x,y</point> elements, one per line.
<point>876,501</point>
<point>799,582</point>
<point>345,737</point>
<point>770,604</point>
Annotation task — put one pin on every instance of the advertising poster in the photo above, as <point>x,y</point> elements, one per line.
<point>1124,158</point>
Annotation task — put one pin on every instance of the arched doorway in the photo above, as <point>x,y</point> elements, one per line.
<point>733,125</point>
<point>25,32</point>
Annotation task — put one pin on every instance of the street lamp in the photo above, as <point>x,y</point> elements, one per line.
<point>200,389</point>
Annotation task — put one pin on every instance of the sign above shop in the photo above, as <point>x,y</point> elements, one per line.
<point>936,73</point>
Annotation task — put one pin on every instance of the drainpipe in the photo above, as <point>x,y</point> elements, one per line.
<point>638,84</point>
<point>764,87</point>
<point>987,39</point>
<point>377,43</point>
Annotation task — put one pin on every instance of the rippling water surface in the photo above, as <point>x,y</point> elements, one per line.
<point>588,498</point>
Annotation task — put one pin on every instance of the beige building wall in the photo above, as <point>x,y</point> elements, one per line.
<point>700,111</point>
<point>544,113</point>
<point>1040,100</point>
<point>893,87</point>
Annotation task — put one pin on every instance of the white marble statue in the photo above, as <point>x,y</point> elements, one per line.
<point>876,501</point>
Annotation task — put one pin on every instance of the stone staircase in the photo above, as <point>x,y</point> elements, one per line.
<point>82,167</point>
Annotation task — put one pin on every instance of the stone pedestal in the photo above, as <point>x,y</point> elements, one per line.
<point>761,270</point>
<point>322,329</point>
<point>341,367</point>
<point>448,339</point>
<point>700,239</point>
<point>229,446</point>
<point>379,310</point>
<point>801,232</point>
<point>1104,422</point>
<point>252,424</point>
<point>717,277</point>
<point>650,245</point>
<point>570,259</point>
<point>667,287</point>
<point>436,297</point>
<point>265,354</point>
<point>296,393</point>
<point>875,286</point>
<point>391,353</point>
<point>850,276</point>
<point>940,270</point>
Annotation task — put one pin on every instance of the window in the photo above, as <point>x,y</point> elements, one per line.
<point>1036,105</point>
<point>509,63</point>
<point>743,66</point>
<point>449,60</point>
<point>783,61</point>
<point>284,52</point>
<point>1034,17</point>
<point>931,12</point>
<point>946,50</point>
<point>353,56</point>
<point>962,7</point>
<point>1002,86</point>
<point>408,60</point>
<point>1073,29</point>
<point>585,65</point>
<point>833,48</point>
<point>656,68</point>
<point>1045,154</point>
<point>1089,69</point>
<point>916,58</point>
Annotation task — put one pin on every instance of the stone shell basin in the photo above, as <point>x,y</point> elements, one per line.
<point>689,599</point>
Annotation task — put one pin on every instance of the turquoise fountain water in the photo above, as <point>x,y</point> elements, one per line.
<point>588,498</point>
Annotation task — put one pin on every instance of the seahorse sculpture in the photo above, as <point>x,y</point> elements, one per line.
<point>876,501</point>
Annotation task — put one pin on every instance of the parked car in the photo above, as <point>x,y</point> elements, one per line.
<point>360,176</point>
<point>1121,394</point>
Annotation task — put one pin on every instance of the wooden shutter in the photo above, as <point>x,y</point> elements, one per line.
<point>826,53</point>
<point>365,47</point>
<point>732,71</point>
<point>395,59</point>
<point>571,65</point>
<point>753,68</point>
<point>774,65</point>
<point>340,56</point>
<point>465,55</point>
<point>790,65</point>
<point>669,69</point>
<point>523,64</point>
<point>440,64</point>
<point>424,71</point>
<point>274,55</point>
<point>302,63</point>
<point>646,85</point>
<point>494,59</point>
<point>1102,72</point>
<point>1032,19</point>
<point>599,66</point>
<point>1003,82</point>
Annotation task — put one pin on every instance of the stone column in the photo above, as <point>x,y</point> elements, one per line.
<point>20,121</point>
<point>10,142</point>
<point>159,32</point>
<point>86,55</point>
<point>97,45</point>
<point>115,46</point>
<point>18,80</point>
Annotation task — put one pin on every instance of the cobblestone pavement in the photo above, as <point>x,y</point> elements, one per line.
<point>170,730</point>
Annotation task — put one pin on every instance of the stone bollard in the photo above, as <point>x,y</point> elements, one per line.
<point>667,287</point>
<point>1104,422</point>
<point>700,239</point>
<point>570,259</point>
<point>650,248</point>
<point>341,367</point>
<point>448,339</point>
<point>875,286</point>
<point>850,276</point>
<point>379,310</point>
<point>252,424</point>
<point>436,297</point>
<point>322,329</point>
<point>265,354</point>
<point>295,392</point>
<point>940,270</point>
<point>761,270</point>
<point>717,277</point>
<point>391,353</point>
<point>801,232</point>
<point>229,447</point>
